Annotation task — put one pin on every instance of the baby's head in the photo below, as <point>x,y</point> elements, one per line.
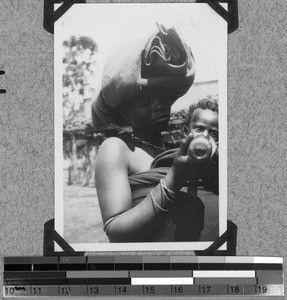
<point>202,119</point>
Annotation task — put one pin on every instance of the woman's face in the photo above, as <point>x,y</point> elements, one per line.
<point>150,111</point>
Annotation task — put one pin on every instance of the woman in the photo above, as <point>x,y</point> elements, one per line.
<point>140,83</point>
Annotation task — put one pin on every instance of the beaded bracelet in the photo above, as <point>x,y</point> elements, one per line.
<point>165,210</point>
<point>169,194</point>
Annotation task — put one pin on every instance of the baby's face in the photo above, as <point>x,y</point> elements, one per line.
<point>204,122</point>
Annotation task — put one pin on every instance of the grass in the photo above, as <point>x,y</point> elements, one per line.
<point>82,216</point>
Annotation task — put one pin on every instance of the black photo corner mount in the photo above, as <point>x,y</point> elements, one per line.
<point>230,15</point>
<point>50,237</point>
<point>229,237</point>
<point>2,91</point>
<point>51,16</point>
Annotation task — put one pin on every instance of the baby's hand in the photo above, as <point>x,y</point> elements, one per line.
<point>215,152</point>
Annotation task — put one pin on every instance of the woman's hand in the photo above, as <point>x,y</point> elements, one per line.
<point>187,168</point>
<point>180,170</point>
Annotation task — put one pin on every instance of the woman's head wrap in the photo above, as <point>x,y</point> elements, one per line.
<point>162,61</point>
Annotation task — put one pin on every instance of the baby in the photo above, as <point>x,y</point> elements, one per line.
<point>202,122</point>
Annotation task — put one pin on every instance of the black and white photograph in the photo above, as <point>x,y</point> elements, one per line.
<point>140,126</point>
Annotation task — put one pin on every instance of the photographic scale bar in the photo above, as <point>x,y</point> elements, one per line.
<point>174,276</point>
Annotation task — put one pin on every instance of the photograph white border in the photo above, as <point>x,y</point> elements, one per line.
<point>222,93</point>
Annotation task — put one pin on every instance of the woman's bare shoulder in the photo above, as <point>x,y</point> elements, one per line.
<point>113,150</point>
<point>114,143</point>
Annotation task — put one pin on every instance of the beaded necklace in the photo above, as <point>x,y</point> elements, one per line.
<point>156,148</point>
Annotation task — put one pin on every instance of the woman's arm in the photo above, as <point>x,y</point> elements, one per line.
<point>129,223</point>
<point>114,194</point>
